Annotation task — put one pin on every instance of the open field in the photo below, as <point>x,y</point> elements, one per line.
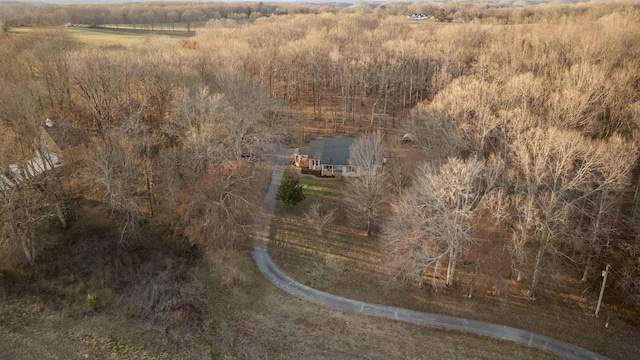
<point>163,27</point>
<point>269,325</point>
<point>342,261</point>
<point>126,37</point>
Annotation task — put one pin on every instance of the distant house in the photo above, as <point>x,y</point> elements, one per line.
<point>326,157</point>
<point>47,155</point>
<point>16,173</point>
<point>416,16</point>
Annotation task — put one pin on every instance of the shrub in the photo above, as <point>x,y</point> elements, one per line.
<point>90,302</point>
<point>290,191</point>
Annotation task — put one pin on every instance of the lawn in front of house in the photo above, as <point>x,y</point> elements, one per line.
<point>318,186</point>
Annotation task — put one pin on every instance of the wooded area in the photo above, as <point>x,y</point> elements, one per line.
<point>528,117</point>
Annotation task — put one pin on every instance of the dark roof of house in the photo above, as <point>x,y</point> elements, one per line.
<point>336,151</point>
<point>66,136</point>
<point>315,149</point>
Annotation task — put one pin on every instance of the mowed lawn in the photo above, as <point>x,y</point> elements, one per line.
<point>124,37</point>
<point>127,37</point>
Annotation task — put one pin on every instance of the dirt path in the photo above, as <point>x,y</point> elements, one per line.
<point>282,281</point>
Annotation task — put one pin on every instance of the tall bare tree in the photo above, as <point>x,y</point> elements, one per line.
<point>602,196</point>
<point>117,167</point>
<point>369,189</point>
<point>434,218</point>
<point>549,169</point>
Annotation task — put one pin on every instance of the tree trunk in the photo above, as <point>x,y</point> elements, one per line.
<point>538,268</point>
<point>369,218</point>
<point>587,265</point>
<point>61,215</point>
<point>29,250</point>
<point>635,198</point>
<point>452,266</point>
<point>594,237</point>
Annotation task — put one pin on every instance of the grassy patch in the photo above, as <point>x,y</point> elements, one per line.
<point>113,37</point>
<point>166,27</point>
<point>315,186</point>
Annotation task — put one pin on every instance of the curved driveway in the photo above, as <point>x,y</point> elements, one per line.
<point>436,321</point>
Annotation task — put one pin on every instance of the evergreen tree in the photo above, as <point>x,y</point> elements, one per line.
<point>290,191</point>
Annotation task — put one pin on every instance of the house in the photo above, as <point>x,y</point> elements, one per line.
<point>326,157</point>
<point>47,155</point>
<point>416,16</point>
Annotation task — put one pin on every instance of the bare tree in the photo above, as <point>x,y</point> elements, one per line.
<point>434,218</point>
<point>117,167</point>
<point>319,218</point>
<point>602,196</point>
<point>105,87</point>
<point>549,169</point>
<point>216,208</point>
<point>369,188</point>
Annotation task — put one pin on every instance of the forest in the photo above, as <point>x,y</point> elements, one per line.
<point>524,119</point>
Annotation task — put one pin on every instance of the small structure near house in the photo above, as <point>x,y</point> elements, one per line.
<point>326,157</point>
<point>301,157</point>
<point>408,137</point>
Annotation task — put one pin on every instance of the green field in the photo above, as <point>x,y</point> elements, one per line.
<point>316,186</point>
<point>124,37</point>
<point>127,37</point>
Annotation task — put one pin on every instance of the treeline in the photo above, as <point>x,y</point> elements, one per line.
<point>350,68</point>
<point>158,177</point>
<point>144,14</point>
<point>159,127</point>
<point>541,130</point>
<point>149,14</point>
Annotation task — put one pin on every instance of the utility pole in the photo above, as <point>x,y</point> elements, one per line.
<point>605,273</point>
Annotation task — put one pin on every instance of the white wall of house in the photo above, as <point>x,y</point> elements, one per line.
<point>350,170</point>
